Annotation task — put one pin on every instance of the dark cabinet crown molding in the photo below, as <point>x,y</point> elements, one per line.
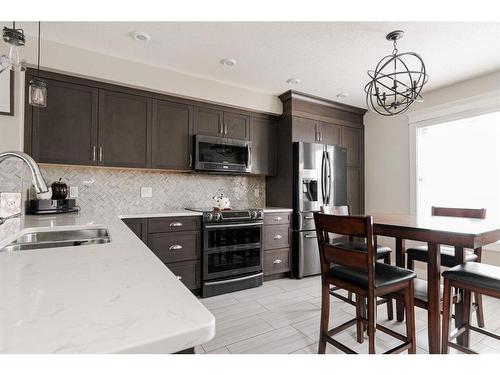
<point>297,95</point>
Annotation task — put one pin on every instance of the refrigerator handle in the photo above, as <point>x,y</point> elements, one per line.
<point>323,187</point>
<point>329,194</point>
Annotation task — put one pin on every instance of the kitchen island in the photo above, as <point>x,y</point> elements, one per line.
<point>115,297</point>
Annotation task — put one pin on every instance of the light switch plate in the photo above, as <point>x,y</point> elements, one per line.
<point>146,192</point>
<point>73,191</point>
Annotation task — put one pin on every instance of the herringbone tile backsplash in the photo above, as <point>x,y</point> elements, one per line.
<point>120,189</point>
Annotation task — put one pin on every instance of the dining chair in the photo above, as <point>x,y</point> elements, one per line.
<point>420,253</point>
<point>470,277</point>
<point>359,272</point>
<point>383,253</point>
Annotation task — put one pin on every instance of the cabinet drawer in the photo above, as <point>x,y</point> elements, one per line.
<point>277,218</point>
<point>276,236</point>
<point>276,261</point>
<point>187,272</point>
<point>175,247</point>
<point>173,224</point>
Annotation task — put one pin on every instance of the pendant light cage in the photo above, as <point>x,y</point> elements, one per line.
<point>38,87</point>
<point>15,39</point>
<point>396,82</point>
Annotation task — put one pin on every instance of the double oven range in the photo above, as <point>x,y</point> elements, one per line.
<point>232,256</point>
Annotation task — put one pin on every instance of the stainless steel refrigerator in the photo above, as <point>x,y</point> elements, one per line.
<point>320,178</point>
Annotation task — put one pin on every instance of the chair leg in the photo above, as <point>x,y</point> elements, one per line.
<point>478,300</point>
<point>467,299</point>
<point>372,321</point>
<point>360,326</point>
<point>446,317</point>
<point>325,316</point>
<point>390,311</point>
<point>411,264</point>
<point>410,318</point>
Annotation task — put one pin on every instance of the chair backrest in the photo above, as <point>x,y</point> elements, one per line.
<point>471,213</point>
<point>357,226</point>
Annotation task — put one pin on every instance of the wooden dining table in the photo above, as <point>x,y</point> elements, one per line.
<point>461,233</point>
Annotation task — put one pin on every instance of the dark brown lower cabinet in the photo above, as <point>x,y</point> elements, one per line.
<point>277,244</point>
<point>139,227</point>
<point>354,190</point>
<point>189,273</point>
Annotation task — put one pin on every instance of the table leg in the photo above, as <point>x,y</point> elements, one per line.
<point>433,295</point>
<point>400,262</point>
<point>460,308</point>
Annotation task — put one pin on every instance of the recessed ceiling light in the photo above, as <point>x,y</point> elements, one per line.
<point>342,95</point>
<point>140,36</point>
<point>293,81</point>
<point>228,62</point>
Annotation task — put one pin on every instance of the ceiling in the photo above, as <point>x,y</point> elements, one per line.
<point>328,57</point>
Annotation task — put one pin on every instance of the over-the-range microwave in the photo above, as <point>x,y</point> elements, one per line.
<point>217,154</point>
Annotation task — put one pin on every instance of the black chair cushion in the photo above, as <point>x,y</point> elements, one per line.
<point>382,251</point>
<point>477,274</point>
<point>419,253</point>
<point>385,275</point>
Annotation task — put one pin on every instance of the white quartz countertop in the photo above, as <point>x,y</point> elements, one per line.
<point>107,298</point>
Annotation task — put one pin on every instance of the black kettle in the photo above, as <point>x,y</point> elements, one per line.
<point>59,190</point>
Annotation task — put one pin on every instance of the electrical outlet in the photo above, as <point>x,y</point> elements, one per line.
<point>146,192</point>
<point>256,192</point>
<point>73,191</point>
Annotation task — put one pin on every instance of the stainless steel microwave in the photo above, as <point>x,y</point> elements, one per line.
<point>217,154</point>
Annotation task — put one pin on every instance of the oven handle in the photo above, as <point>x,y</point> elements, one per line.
<point>233,225</point>
<point>233,280</point>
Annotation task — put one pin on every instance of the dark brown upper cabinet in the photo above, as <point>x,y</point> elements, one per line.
<point>236,125</point>
<point>124,130</point>
<point>352,141</point>
<point>66,130</point>
<point>329,133</point>
<point>172,135</point>
<point>304,130</point>
<point>208,121</point>
<point>263,134</point>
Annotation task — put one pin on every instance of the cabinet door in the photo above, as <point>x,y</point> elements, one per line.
<point>351,139</point>
<point>353,190</point>
<point>124,130</point>
<point>65,132</point>
<point>236,125</point>
<point>330,133</point>
<point>304,130</point>
<point>171,135</point>
<point>263,134</point>
<point>139,227</point>
<point>208,121</point>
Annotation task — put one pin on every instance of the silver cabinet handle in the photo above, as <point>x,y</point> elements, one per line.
<point>100,153</point>
<point>278,218</point>
<point>277,261</point>
<point>94,149</point>
<point>278,237</point>
<point>309,236</point>
<point>175,247</point>
<point>190,160</point>
<point>178,277</point>
<point>175,224</point>
<point>225,128</point>
<point>308,217</point>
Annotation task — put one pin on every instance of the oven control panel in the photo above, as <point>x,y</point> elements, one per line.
<point>233,215</point>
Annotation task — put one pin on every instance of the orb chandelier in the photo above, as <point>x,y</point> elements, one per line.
<point>396,81</point>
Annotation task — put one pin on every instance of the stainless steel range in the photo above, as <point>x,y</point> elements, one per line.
<point>232,250</point>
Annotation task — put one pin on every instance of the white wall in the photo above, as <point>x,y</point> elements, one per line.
<point>387,161</point>
<point>76,61</point>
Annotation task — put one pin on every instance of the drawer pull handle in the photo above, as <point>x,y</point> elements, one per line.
<point>278,237</point>
<point>175,224</point>
<point>308,217</point>
<point>309,236</point>
<point>277,261</point>
<point>278,218</point>
<point>175,247</point>
<point>179,277</point>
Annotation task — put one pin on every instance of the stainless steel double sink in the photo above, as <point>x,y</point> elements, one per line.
<point>50,239</point>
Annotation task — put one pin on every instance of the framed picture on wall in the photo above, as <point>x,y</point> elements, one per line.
<point>7,93</point>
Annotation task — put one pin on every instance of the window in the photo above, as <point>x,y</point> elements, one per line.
<point>458,165</point>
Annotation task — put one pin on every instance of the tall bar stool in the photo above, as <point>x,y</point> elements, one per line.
<point>383,253</point>
<point>470,277</point>
<point>358,272</point>
<point>420,253</point>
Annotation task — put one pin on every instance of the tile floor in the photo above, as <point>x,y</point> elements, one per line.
<point>282,316</point>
